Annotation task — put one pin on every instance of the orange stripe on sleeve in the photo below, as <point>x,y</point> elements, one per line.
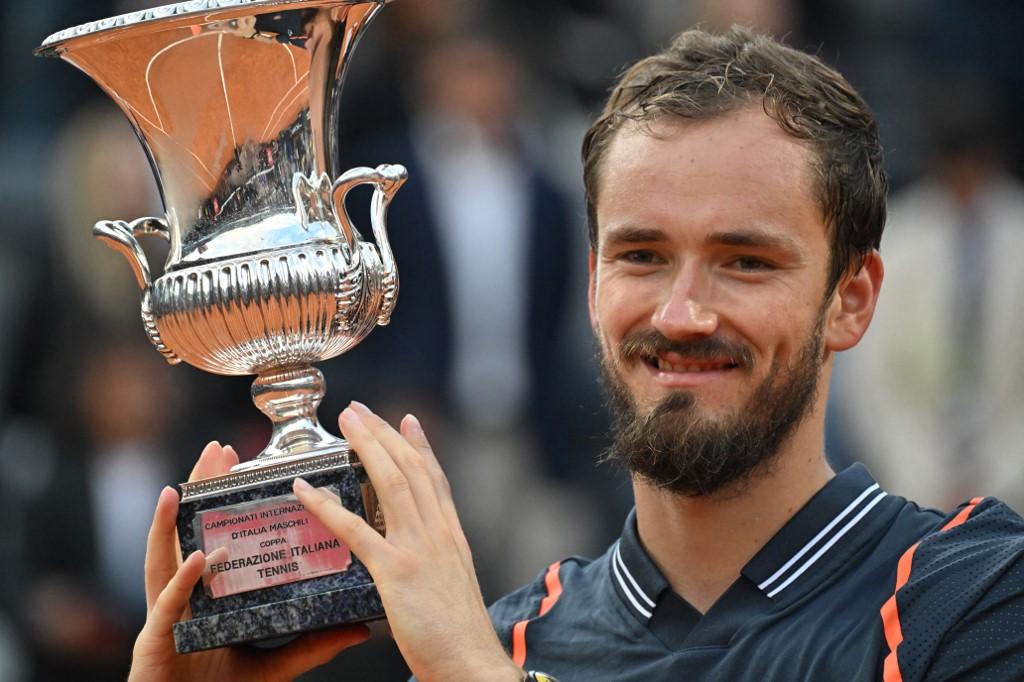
<point>890,612</point>
<point>554,587</point>
<point>519,643</point>
<point>964,513</point>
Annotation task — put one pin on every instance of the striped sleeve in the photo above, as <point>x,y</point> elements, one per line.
<point>959,581</point>
<point>519,606</point>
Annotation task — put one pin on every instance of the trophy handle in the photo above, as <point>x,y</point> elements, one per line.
<point>391,178</point>
<point>386,179</point>
<point>345,183</point>
<point>121,237</point>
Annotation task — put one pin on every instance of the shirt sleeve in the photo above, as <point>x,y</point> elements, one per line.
<point>515,607</point>
<point>987,643</point>
<point>959,614</point>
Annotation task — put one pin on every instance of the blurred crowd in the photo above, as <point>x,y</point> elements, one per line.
<point>485,102</point>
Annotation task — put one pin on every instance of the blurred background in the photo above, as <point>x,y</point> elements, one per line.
<point>486,103</point>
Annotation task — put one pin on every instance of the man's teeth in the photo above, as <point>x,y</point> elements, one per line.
<point>707,367</point>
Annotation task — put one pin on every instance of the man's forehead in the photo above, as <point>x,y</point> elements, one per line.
<point>729,174</point>
<point>747,129</point>
<point>744,145</point>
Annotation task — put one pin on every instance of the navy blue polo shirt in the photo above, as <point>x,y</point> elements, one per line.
<point>858,585</point>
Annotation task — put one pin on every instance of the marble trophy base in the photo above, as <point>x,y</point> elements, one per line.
<point>249,615</point>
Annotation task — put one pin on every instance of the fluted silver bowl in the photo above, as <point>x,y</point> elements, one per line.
<point>236,104</point>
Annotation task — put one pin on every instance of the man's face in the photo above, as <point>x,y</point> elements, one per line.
<point>707,296</point>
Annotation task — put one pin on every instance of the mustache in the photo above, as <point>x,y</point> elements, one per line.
<point>650,342</point>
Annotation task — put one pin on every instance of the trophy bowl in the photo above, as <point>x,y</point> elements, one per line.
<point>236,105</point>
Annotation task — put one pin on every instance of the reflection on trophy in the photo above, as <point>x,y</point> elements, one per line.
<point>236,104</point>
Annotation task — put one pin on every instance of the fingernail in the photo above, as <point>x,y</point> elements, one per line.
<point>359,407</point>
<point>216,556</point>
<point>348,414</point>
<point>194,554</point>
<point>231,449</point>
<point>300,485</point>
<point>415,428</point>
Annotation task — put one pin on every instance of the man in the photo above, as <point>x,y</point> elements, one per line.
<point>737,200</point>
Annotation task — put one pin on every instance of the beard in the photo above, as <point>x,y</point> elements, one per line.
<point>680,451</point>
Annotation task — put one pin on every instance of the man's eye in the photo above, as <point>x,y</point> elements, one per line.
<point>639,257</point>
<point>751,264</point>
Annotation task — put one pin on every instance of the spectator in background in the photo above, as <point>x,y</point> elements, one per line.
<point>482,242</point>
<point>935,393</point>
<point>88,442</point>
<point>88,527</point>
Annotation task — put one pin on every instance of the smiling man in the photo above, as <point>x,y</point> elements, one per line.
<point>708,296</point>
<point>736,202</point>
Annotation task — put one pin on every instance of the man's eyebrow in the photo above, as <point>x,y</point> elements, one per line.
<point>631,234</point>
<point>752,237</point>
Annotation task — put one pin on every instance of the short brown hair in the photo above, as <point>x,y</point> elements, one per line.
<point>703,76</point>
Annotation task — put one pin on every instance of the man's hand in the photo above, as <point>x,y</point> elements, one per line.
<point>423,568</point>
<point>168,587</point>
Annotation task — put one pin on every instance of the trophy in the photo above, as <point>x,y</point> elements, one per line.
<point>236,105</point>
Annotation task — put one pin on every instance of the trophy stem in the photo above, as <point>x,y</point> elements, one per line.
<point>290,398</point>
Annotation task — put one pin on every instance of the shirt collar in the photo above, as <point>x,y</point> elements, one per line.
<point>636,579</point>
<point>850,509</point>
<point>837,519</point>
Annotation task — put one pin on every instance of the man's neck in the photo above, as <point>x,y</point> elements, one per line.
<point>702,544</point>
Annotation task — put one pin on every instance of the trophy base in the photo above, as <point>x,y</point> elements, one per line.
<point>274,570</point>
<point>281,619</point>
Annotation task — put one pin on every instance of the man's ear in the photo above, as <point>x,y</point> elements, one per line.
<point>592,286</point>
<point>853,304</point>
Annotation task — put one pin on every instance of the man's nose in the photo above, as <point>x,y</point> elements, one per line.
<point>686,309</point>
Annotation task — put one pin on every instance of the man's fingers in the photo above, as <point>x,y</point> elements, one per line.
<point>392,486</point>
<point>230,457</point>
<point>412,431</point>
<point>313,649</point>
<point>161,546</point>
<point>162,555</point>
<point>410,462</point>
<point>211,463</point>
<point>171,602</point>
<point>218,555</point>
<point>348,527</point>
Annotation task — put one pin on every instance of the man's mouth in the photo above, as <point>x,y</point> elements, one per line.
<point>678,364</point>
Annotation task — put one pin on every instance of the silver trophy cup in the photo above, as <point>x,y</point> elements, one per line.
<point>236,104</point>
